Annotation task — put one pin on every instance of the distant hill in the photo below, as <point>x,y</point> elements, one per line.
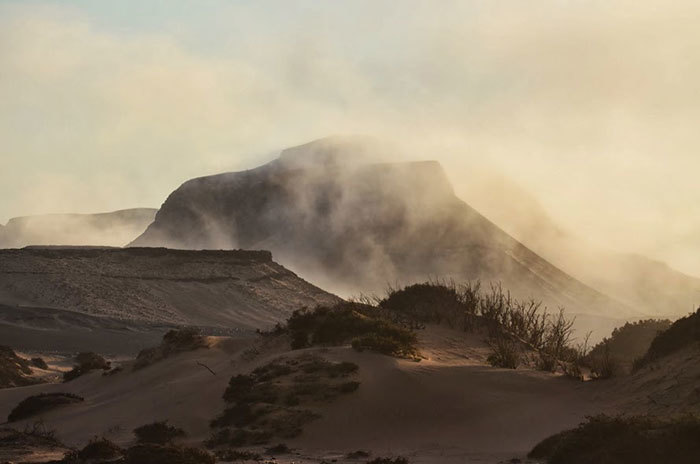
<point>68,295</point>
<point>352,226</point>
<point>103,229</point>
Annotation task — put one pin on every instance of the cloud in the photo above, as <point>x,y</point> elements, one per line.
<point>589,105</point>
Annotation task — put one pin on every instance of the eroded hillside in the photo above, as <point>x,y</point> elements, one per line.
<point>58,289</point>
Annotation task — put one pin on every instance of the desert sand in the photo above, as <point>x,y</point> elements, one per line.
<point>449,407</point>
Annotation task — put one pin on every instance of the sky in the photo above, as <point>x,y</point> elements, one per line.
<point>589,106</point>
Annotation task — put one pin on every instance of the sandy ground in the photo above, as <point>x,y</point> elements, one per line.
<point>449,407</point>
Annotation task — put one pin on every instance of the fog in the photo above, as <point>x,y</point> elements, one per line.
<point>583,112</point>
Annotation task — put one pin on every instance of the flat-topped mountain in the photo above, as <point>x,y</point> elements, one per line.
<point>353,226</point>
<point>60,289</point>
<point>105,229</point>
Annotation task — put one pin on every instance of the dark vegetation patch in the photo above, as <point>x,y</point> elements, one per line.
<point>519,331</point>
<point>359,454</point>
<point>366,327</point>
<point>175,341</point>
<point>624,440</point>
<point>237,455</point>
<point>160,433</point>
<point>39,404</point>
<point>166,454</point>
<point>266,403</point>
<point>33,436</point>
<point>13,369</point>
<point>113,371</point>
<point>86,362</point>
<point>617,353</point>
<point>682,333</point>
<point>280,448</point>
<point>515,328</point>
<point>40,363</point>
<point>154,446</point>
<point>396,460</point>
<point>98,450</point>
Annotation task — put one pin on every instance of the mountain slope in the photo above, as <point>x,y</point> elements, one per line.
<point>649,285</point>
<point>103,229</point>
<point>144,288</point>
<point>352,227</point>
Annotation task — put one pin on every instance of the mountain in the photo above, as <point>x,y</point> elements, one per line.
<point>66,298</point>
<point>353,226</point>
<point>649,285</point>
<point>103,229</point>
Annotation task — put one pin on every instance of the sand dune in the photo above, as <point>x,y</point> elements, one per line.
<point>450,407</point>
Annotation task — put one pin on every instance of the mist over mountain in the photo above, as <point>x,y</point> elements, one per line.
<point>353,226</point>
<point>639,281</point>
<point>115,228</point>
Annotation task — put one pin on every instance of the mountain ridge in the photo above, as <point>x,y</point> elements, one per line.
<point>353,228</point>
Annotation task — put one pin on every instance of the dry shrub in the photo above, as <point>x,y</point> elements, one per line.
<point>38,404</point>
<point>13,369</point>
<point>160,454</point>
<point>624,440</point>
<point>160,433</point>
<point>505,352</point>
<point>175,341</point>
<point>86,362</point>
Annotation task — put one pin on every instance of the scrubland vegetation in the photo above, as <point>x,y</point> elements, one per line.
<point>683,333</point>
<point>516,329</point>
<point>86,362</point>
<point>38,404</point>
<point>362,325</point>
<point>175,341</point>
<point>155,444</point>
<point>270,401</point>
<point>14,369</point>
<point>624,440</point>
<point>617,353</point>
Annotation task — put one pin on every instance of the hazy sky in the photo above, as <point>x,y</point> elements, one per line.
<point>592,106</point>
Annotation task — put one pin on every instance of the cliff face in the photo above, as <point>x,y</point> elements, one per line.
<point>104,229</point>
<point>352,226</point>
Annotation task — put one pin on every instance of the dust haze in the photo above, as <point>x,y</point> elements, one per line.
<point>586,108</point>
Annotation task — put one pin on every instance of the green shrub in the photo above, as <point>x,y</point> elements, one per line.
<point>159,433</point>
<point>624,440</point>
<point>38,404</point>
